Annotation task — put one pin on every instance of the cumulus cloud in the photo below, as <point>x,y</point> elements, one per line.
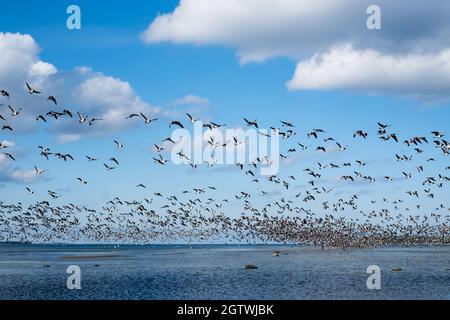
<point>191,100</point>
<point>301,29</point>
<point>81,89</point>
<point>16,175</point>
<point>261,29</point>
<point>23,176</point>
<point>343,67</point>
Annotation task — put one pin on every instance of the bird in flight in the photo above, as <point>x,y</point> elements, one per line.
<point>4,93</point>
<point>14,113</point>
<point>160,160</point>
<point>176,123</point>
<point>118,144</point>
<point>82,182</point>
<point>81,118</point>
<point>360,133</point>
<point>250,123</point>
<point>30,89</point>
<point>146,119</point>
<point>10,156</point>
<point>53,99</point>
<point>191,118</point>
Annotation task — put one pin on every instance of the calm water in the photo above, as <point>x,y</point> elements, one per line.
<point>217,272</point>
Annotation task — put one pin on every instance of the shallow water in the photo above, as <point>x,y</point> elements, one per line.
<point>217,272</point>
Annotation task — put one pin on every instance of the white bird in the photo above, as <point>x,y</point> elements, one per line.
<point>191,118</point>
<point>147,120</point>
<point>341,148</point>
<point>38,171</point>
<point>158,148</point>
<point>161,160</point>
<point>82,119</point>
<point>82,182</point>
<point>30,89</point>
<point>118,144</point>
<point>14,112</point>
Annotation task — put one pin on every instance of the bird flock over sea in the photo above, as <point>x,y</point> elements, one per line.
<point>313,213</point>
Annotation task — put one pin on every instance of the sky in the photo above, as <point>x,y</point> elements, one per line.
<point>315,66</point>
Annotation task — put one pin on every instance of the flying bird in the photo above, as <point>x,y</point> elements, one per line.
<point>30,89</point>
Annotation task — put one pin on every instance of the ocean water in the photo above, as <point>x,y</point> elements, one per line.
<point>217,272</point>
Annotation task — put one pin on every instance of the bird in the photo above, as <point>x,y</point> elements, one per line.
<point>132,116</point>
<point>158,148</point>
<point>160,160</point>
<point>383,126</point>
<point>53,99</point>
<point>14,112</point>
<point>108,168</point>
<point>192,119</point>
<point>360,133</point>
<point>147,120</point>
<point>114,160</point>
<point>82,182</point>
<point>250,123</point>
<point>176,123</point>
<point>30,192</point>
<point>437,134</point>
<point>7,127</point>
<point>38,171</point>
<point>341,148</point>
<point>67,113</point>
<point>81,118</point>
<point>286,124</point>
<point>10,156</point>
<point>118,144</point>
<point>30,89</point>
<point>41,117</point>
<point>91,121</point>
<point>319,148</point>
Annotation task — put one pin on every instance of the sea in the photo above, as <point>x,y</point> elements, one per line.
<point>192,272</point>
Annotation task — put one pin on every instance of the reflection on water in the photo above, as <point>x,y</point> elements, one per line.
<point>217,272</point>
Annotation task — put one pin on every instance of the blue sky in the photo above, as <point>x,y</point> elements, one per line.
<point>160,72</point>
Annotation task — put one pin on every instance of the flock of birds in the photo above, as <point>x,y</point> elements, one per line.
<point>313,214</point>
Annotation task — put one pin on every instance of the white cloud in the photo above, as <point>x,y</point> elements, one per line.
<point>7,144</point>
<point>412,32</point>
<point>66,138</point>
<point>23,176</point>
<point>261,29</point>
<point>16,175</point>
<point>82,89</point>
<point>191,100</point>
<point>343,67</point>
